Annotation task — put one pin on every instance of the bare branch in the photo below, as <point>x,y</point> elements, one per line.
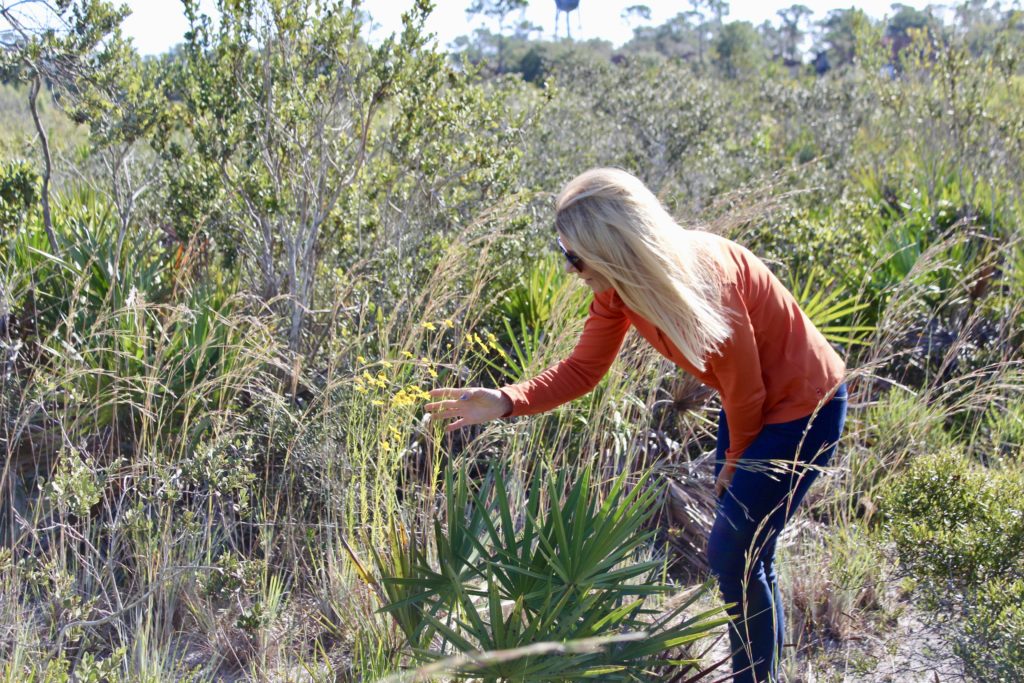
<point>47,164</point>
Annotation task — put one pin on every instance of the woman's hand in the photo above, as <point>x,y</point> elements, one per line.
<point>468,406</point>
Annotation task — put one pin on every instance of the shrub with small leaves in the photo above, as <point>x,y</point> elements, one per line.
<point>993,645</point>
<point>954,520</point>
<point>77,485</point>
<point>959,526</point>
<point>18,192</point>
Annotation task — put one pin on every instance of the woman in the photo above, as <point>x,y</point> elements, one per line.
<point>714,309</point>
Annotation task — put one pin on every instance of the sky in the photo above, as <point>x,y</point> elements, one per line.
<point>156,25</point>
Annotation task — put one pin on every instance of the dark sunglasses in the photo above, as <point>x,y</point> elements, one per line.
<point>574,260</point>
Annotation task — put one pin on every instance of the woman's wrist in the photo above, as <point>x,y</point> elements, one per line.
<point>506,402</point>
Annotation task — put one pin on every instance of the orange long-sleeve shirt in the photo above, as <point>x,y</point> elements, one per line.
<point>774,367</point>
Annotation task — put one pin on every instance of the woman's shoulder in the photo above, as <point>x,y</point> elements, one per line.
<point>609,298</point>
<point>737,253</point>
<point>723,245</point>
<point>729,259</point>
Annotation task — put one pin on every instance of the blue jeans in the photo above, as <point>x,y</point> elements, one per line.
<point>770,481</point>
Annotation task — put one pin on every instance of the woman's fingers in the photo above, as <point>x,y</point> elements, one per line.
<point>447,392</point>
<point>458,424</point>
<point>443,406</point>
<point>465,406</point>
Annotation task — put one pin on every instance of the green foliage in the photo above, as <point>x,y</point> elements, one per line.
<point>992,647</point>
<point>320,140</point>
<point>556,567</point>
<point>218,362</point>
<point>738,50</point>
<point>82,42</point>
<point>955,521</point>
<point>830,308</point>
<point>77,484</point>
<point>543,291</point>
<point>19,191</point>
<point>839,35</point>
<point>960,525</point>
<point>122,321</point>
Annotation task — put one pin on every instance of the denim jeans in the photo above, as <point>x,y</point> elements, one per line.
<point>770,481</point>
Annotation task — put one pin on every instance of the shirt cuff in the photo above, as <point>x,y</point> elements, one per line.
<point>511,402</point>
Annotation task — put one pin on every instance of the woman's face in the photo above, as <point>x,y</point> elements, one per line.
<point>597,282</point>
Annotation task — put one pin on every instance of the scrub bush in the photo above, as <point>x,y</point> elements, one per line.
<point>956,521</point>
<point>993,628</point>
<point>958,527</point>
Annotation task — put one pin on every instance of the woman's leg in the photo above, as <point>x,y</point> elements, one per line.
<point>767,487</point>
<point>744,581</point>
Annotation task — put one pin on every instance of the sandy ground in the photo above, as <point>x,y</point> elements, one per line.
<point>912,651</point>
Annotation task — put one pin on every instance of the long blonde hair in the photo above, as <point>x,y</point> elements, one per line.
<point>661,270</point>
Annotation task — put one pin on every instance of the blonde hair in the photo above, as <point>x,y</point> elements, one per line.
<point>661,270</point>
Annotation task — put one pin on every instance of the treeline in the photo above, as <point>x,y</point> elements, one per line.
<point>704,39</point>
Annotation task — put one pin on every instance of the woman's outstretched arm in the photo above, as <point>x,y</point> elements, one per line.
<point>602,336</point>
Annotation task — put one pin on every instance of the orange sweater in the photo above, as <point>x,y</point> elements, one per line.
<point>775,366</point>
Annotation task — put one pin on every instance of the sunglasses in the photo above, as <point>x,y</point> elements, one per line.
<point>574,260</point>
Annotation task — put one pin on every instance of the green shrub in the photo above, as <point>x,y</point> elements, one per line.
<point>959,526</point>
<point>19,191</point>
<point>955,521</point>
<point>993,628</point>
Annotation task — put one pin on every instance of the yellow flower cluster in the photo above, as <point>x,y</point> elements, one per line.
<point>475,339</point>
<point>409,396</point>
<point>366,381</point>
<point>395,437</point>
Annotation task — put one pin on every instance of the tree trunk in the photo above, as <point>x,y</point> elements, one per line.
<point>33,95</point>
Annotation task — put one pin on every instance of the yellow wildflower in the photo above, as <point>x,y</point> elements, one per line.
<point>417,392</point>
<point>427,325</point>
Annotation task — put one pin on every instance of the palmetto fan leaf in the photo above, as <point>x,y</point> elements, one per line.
<point>544,564</point>
<point>830,306</point>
